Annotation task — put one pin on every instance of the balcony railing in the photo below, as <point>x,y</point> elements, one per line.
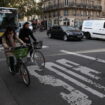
<point>73,5</point>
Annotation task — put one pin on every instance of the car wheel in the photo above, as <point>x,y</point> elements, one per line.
<point>88,36</point>
<point>49,35</point>
<point>65,38</point>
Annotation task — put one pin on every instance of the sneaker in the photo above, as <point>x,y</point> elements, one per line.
<point>11,71</point>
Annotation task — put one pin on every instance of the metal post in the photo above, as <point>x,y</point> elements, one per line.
<point>58,12</point>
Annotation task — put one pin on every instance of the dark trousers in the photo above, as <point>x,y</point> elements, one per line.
<point>12,63</point>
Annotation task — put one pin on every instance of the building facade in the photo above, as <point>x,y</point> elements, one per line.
<point>103,8</point>
<point>71,12</point>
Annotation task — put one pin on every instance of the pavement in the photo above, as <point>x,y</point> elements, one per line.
<point>5,95</point>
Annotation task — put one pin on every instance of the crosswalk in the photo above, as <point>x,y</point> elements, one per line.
<point>68,73</point>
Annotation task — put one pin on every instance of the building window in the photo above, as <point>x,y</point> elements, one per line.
<point>66,2</point>
<point>98,14</point>
<point>81,13</point>
<point>65,12</point>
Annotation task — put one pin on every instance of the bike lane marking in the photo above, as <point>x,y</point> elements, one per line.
<point>55,68</point>
<point>75,97</point>
<point>77,67</point>
<point>91,73</point>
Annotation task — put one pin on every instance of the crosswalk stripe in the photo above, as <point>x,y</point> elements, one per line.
<point>50,65</point>
<point>82,69</point>
<point>74,97</point>
<point>83,56</point>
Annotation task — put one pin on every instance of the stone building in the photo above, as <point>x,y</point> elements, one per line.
<point>71,12</point>
<point>103,8</point>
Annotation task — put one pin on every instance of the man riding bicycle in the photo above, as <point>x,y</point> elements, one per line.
<point>25,33</point>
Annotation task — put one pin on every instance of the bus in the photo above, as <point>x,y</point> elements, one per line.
<point>8,17</point>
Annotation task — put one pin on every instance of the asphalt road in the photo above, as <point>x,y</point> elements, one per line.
<point>74,75</point>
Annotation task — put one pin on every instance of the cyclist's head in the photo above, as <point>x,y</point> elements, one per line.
<point>9,32</point>
<point>26,25</point>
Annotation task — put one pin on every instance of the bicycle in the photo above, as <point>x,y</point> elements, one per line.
<point>20,67</point>
<point>37,56</point>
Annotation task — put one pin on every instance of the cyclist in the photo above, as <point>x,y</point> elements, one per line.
<point>25,33</point>
<point>9,40</point>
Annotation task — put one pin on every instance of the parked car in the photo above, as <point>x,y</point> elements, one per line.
<point>65,33</point>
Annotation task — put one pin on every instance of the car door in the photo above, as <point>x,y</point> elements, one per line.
<point>59,32</point>
<point>102,31</point>
<point>53,31</point>
<point>99,30</point>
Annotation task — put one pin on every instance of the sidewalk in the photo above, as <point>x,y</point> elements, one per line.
<point>5,96</point>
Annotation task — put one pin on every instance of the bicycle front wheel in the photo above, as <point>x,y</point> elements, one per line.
<point>25,74</point>
<point>39,59</point>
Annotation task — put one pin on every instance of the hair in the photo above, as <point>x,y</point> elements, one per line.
<point>25,24</point>
<point>9,29</point>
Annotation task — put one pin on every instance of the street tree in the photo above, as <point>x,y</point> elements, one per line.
<point>25,7</point>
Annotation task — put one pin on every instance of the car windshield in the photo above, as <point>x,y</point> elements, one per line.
<point>68,28</point>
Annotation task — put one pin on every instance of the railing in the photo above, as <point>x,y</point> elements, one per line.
<point>72,5</point>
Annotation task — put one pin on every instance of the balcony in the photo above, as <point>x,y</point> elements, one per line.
<point>72,5</point>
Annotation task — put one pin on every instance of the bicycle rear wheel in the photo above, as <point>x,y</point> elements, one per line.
<point>39,59</point>
<point>25,74</point>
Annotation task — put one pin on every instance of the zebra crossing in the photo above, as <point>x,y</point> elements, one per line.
<point>84,77</point>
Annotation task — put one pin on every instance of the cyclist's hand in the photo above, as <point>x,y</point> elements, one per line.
<point>8,49</point>
<point>24,44</point>
<point>26,38</point>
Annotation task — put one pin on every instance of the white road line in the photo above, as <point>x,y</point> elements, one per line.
<point>1,48</point>
<point>74,97</point>
<point>84,56</point>
<point>82,69</point>
<point>44,46</point>
<point>91,51</point>
<point>50,66</point>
